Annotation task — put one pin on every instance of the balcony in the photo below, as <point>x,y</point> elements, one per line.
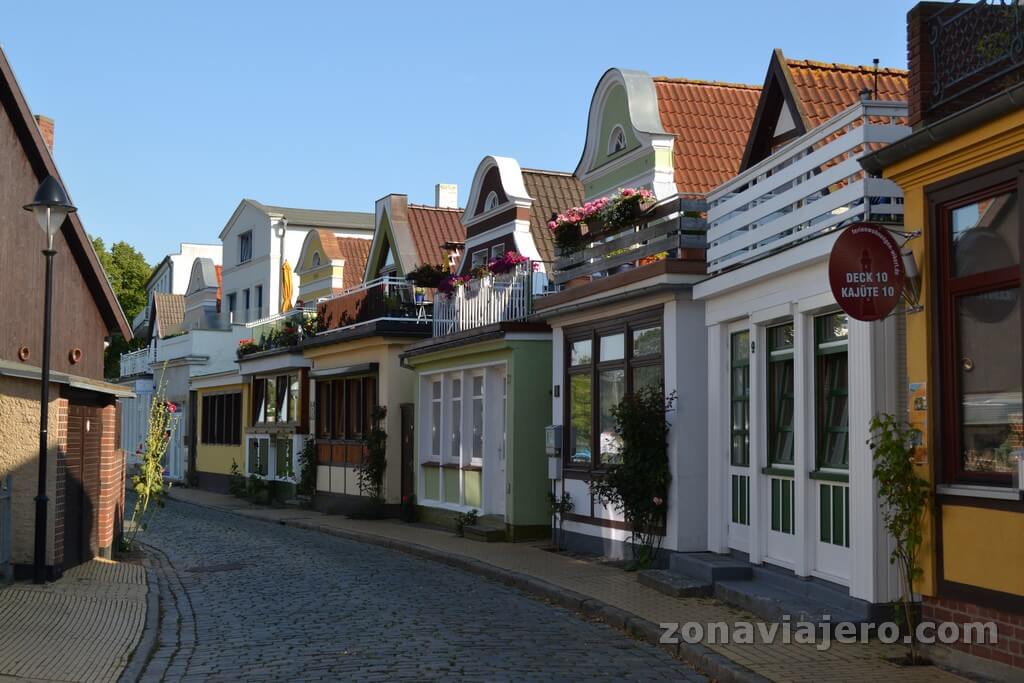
<point>391,299</point>
<point>137,362</point>
<point>487,301</point>
<point>282,330</point>
<point>810,187</point>
<point>671,229</point>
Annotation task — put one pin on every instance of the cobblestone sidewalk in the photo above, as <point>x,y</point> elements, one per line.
<point>81,628</point>
<point>610,593</point>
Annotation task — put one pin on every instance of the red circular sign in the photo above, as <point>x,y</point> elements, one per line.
<point>866,272</point>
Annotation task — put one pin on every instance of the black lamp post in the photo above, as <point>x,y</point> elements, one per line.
<point>51,206</point>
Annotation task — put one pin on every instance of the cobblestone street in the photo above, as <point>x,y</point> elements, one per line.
<point>243,599</point>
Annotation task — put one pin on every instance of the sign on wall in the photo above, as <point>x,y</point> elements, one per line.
<point>866,272</point>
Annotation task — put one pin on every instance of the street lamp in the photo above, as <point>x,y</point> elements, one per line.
<point>50,206</point>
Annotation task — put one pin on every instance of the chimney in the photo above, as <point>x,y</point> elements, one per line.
<point>45,124</point>
<point>446,196</point>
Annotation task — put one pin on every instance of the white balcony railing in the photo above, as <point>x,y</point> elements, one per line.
<point>485,301</point>
<point>813,185</point>
<point>137,362</point>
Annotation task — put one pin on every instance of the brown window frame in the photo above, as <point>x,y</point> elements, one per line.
<point>593,332</point>
<point>348,422</point>
<point>221,419</point>
<point>942,200</point>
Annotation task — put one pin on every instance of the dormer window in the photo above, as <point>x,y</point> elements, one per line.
<point>245,246</point>
<point>491,202</point>
<point>617,140</point>
<point>316,259</point>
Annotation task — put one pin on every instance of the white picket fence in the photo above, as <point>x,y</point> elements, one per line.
<point>486,301</point>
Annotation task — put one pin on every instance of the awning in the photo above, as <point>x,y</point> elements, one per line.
<point>30,372</point>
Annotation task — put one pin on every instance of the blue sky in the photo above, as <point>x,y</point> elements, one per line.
<point>168,114</point>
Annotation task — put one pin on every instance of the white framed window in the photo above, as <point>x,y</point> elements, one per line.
<point>478,414</point>
<point>258,456</point>
<point>479,258</point>
<point>617,140</point>
<point>435,419</point>
<point>455,453</point>
<point>497,250</point>
<point>259,299</point>
<point>245,246</point>
<point>492,201</point>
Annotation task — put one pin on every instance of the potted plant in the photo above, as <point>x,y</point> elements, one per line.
<point>660,256</point>
<point>420,294</point>
<point>247,346</point>
<point>506,263</point>
<point>428,275</point>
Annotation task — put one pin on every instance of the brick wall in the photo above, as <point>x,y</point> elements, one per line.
<point>1010,648</point>
<point>62,455</point>
<point>110,507</point>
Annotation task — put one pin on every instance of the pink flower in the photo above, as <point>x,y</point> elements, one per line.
<point>171,408</point>
<point>628,192</point>
<point>657,501</point>
<point>552,225</point>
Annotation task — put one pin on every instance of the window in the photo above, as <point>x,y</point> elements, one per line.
<point>456,450</point>
<point>739,399</point>
<point>246,302</point>
<point>259,300</point>
<point>344,407</point>
<point>259,456</point>
<point>479,258</point>
<point>980,320</point>
<point>277,399</point>
<point>616,141</point>
<point>478,417</point>
<point>245,246</point>
<point>231,305</point>
<point>492,201</point>
<point>283,466</point>
<point>629,357</point>
<point>497,250</point>
<point>831,382</point>
<point>435,419</point>
<point>780,395</point>
<point>316,259</point>
<point>221,419</point>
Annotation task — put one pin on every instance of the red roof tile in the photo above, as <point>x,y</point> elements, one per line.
<point>356,252</point>
<point>710,121</point>
<point>431,228</point>
<point>551,191</point>
<point>826,89</point>
<point>220,284</point>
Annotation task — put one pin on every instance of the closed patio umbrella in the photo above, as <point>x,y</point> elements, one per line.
<point>286,287</point>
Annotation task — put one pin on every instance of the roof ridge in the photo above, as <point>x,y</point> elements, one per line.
<point>698,81</point>
<point>839,66</point>
<point>545,171</point>
<point>437,208</point>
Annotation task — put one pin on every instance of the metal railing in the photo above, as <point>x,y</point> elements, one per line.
<point>6,530</point>
<point>137,362</point>
<point>485,301</point>
<point>386,298</point>
<point>973,44</point>
<point>673,228</point>
<point>813,185</point>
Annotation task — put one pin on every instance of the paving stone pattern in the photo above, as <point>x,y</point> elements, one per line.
<point>243,599</point>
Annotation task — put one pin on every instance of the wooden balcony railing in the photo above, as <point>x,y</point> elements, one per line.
<point>386,298</point>
<point>813,185</point>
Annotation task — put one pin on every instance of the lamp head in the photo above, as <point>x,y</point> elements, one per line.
<point>50,205</point>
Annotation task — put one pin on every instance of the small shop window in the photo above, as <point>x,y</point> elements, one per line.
<point>580,402</point>
<point>739,370</point>
<point>613,347</point>
<point>612,390</point>
<point>780,394</point>
<point>221,419</point>
<point>277,400</point>
<point>831,390</point>
<point>646,341</point>
<point>582,352</point>
<point>346,406</point>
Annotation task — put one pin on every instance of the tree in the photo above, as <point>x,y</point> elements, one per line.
<point>127,270</point>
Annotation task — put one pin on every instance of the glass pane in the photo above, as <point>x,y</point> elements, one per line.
<point>478,425</point>
<point>456,453</point>
<point>985,235</point>
<point>435,390</point>
<point>613,388</point>
<point>647,342</point>
<point>293,399</point>
<point>990,380</point>
<point>613,347</point>
<point>581,405</point>
<point>780,412</point>
<point>582,352</point>
<point>456,389</point>
<point>740,348</point>
<point>478,385</point>
<point>283,454</point>
<point>254,456</point>
<point>435,428</point>
<point>833,417</point>
<point>780,337</point>
<point>646,376</point>
<point>834,327</point>
<point>270,400</point>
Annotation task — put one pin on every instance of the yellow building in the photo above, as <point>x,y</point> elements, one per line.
<point>961,172</point>
<point>221,406</point>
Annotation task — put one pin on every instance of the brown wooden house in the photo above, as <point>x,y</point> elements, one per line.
<point>86,474</point>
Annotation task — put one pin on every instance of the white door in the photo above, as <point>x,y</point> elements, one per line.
<point>176,456</point>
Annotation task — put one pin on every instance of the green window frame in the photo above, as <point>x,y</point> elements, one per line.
<point>831,389</point>
<point>781,394</point>
<point>739,399</point>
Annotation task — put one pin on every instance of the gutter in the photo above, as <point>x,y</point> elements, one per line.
<point>979,113</point>
<point>541,316</point>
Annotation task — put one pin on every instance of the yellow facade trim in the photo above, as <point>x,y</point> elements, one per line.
<point>984,548</point>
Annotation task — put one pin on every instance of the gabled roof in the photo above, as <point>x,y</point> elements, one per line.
<point>430,228</point>
<point>168,313</point>
<point>355,251</point>
<point>41,161</point>
<point>710,121</point>
<point>318,218</point>
<point>812,93</point>
<point>552,191</point>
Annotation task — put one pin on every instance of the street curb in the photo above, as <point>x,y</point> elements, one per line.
<point>147,641</point>
<point>699,656</point>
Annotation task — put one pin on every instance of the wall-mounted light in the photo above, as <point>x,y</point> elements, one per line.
<point>911,282</point>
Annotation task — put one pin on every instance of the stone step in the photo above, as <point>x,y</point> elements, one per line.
<point>675,585</point>
<point>485,533</point>
<point>772,603</point>
<point>710,567</point>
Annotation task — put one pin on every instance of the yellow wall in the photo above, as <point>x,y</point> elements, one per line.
<point>991,559</point>
<point>217,459</point>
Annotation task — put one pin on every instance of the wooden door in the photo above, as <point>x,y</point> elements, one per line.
<point>81,484</point>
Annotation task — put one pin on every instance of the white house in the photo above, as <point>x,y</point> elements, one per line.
<point>171,276</point>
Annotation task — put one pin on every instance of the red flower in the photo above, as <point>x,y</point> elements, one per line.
<point>171,408</point>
